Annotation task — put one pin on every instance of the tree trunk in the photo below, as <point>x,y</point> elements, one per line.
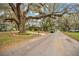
<point>22,19</point>
<point>22,27</point>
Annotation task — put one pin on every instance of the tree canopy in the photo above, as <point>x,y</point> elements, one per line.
<point>21,12</point>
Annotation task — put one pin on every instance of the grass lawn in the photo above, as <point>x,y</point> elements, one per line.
<point>74,35</point>
<point>7,38</point>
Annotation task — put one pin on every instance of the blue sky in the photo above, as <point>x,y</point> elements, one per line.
<point>71,7</point>
<point>30,13</point>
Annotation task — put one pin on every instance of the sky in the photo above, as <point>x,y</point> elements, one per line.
<point>60,8</point>
<point>71,7</point>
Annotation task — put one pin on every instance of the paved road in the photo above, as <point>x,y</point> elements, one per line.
<point>56,44</point>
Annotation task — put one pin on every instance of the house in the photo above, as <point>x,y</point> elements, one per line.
<point>6,26</point>
<point>34,22</point>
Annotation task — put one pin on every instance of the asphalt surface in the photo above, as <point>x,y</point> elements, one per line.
<point>55,44</point>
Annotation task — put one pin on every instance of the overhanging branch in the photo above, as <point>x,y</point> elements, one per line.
<point>13,7</point>
<point>48,15</point>
<point>11,20</point>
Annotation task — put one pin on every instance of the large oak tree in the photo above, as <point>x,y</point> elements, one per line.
<point>21,12</point>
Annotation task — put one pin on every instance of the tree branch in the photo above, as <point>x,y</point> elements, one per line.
<point>13,7</point>
<point>48,15</point>
<point>11,19</point>
<point>18,11</point>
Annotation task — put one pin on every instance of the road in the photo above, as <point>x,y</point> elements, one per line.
<point>55,44</point>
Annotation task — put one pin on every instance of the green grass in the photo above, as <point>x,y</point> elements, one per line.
<point>74,35</point>
<point>7,38</point>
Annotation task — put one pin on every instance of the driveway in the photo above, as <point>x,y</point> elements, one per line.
<point>55,44</point>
